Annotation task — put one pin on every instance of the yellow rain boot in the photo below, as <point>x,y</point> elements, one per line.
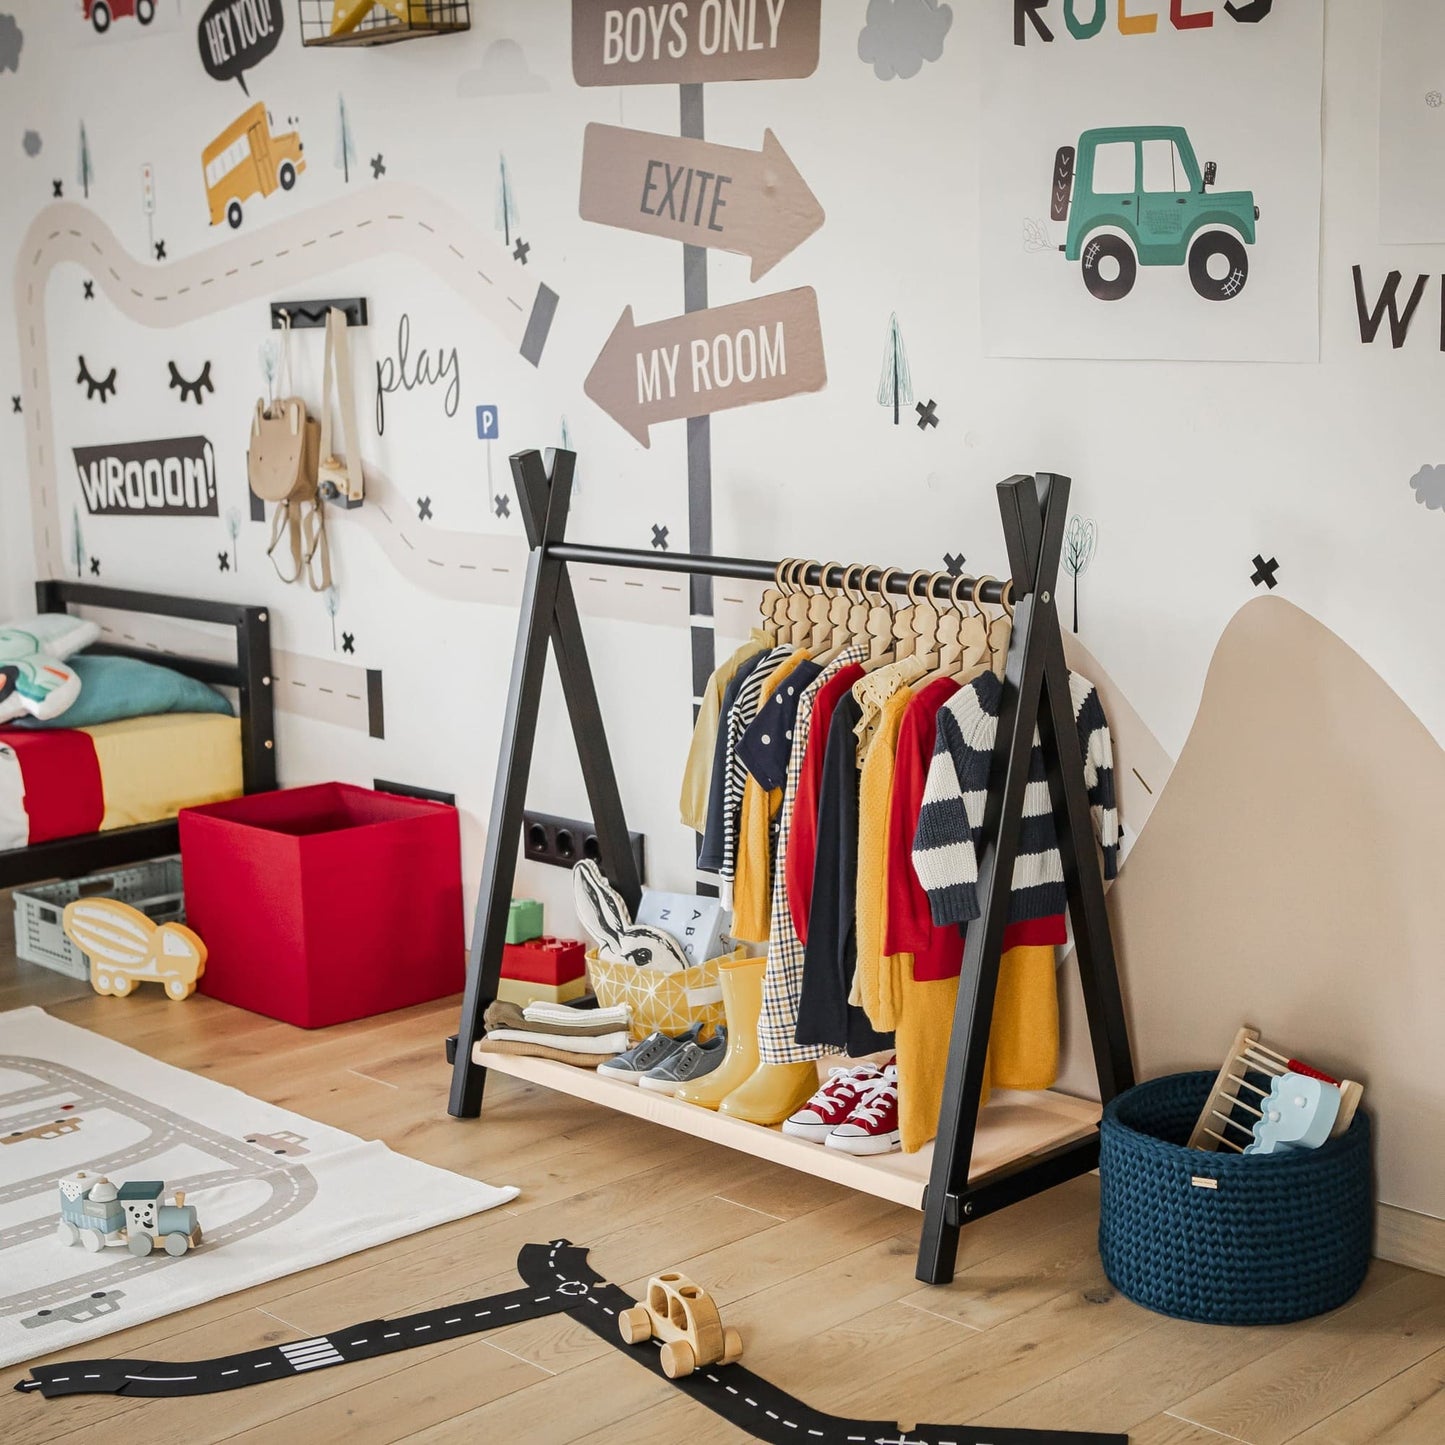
<point>773,1092</point>
<point>742,990</point>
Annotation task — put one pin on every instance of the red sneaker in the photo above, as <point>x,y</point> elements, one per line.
<point>832,1104</point>
<point>872,1127</point>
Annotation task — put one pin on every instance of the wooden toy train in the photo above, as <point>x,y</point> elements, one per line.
<point>94,1213</point>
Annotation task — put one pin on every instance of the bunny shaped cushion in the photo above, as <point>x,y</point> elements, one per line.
<point>619,940</point>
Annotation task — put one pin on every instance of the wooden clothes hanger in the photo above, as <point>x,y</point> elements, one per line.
<point>771,599</point>
<point>904,638</point>
<point>1000,630</point>
<point>924,617</point>
<point>797,624</point>
<point>820,606</point>
<point>879,627</point>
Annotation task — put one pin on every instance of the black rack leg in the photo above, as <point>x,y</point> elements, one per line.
<point>509,794</point>
<point>578,688</point>
<point>1093,939</point>
<point>1002,826</point>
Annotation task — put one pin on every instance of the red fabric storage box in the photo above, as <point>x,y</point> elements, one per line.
<point>325,903</point>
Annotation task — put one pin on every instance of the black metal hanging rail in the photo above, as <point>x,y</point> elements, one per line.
<point>1035,699</point>
<point>815,574</point>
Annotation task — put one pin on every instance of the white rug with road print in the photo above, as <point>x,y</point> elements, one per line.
<point>274,1192</point>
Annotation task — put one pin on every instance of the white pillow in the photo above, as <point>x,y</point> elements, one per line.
<point>33,676</point>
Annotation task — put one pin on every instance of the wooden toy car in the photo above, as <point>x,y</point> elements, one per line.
<point>126,948</point>
<point>686,1319</point>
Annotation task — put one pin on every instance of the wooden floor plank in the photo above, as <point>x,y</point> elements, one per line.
<point>1407,1409</point>
<point>1310,1375</point>
<point>820,1281</point>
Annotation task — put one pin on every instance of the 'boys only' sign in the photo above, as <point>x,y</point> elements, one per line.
<point>171,478</point>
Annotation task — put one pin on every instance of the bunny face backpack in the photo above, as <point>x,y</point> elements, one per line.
<point>619,940</point>
<point>281,466</point>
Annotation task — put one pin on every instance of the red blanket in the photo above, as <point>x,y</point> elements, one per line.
<point>61,777</point>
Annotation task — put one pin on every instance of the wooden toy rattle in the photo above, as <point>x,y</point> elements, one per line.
<point>1301,1108</point>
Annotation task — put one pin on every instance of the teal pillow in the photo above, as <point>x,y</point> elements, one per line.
<point>112,688</point>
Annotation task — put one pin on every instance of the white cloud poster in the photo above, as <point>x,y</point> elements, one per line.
<point>1150,179</point>
<point>1412,121</point>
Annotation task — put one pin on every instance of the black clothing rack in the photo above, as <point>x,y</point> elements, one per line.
<point>1035,695</point>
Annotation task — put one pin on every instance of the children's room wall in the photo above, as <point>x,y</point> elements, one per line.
<point>902,321</point>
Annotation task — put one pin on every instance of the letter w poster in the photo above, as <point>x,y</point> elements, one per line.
<point>1150,174</point>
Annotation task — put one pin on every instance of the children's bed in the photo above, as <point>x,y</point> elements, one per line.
<point>91,799</point>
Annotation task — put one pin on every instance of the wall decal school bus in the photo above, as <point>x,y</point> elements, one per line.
<point>246,159</point>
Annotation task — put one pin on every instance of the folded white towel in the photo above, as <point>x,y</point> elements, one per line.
<point>583,1044</point>
<point>538,1012</point>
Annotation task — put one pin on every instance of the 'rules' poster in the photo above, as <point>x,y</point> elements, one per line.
<point>1150,175</point>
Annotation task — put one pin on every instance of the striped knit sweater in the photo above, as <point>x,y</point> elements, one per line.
<point>945,845</point>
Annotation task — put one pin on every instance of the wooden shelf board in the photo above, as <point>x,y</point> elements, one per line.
<point>1013,1126</point>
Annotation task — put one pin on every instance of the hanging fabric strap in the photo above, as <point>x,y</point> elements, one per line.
<point>339,477</point>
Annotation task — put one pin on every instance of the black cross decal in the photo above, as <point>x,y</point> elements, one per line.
<point>423,509</point>
<point>927,414</point>
<point>90,290</point>
<point>95,566</point>
<point>954,564</point>
<point>160,250</point>
<point>57,189</point>
<point>659,538</point>
<point>224,558</point>
<point>519,251</point>
<point>378,167</point>
<point>348,642</point>
<point>1264,572</point>
<point>502,505</point>
<point>15,404</point>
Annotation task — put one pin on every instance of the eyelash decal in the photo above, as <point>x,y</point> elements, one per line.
<point>191,390</point>
<point>104,387</point>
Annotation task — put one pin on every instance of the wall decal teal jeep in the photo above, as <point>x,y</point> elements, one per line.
<point>1134,195</point>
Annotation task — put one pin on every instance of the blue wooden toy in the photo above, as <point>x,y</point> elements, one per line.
<point>97,1215</point>
<point>1298,1112</point>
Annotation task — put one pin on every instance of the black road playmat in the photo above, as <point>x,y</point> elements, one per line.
<point>558,1281</point>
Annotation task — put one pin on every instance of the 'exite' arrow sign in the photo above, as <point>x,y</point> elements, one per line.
<point>753,203</point>
<point>682,42</point>
<point>707,361</point>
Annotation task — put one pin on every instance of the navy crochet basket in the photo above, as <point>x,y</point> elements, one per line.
<point>1280,1237</point>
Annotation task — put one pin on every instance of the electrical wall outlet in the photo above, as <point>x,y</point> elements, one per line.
<point>565,842</point>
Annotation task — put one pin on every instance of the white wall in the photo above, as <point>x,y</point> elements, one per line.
<point>1188,468</point>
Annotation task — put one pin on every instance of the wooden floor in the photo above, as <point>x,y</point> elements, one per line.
<point>819,1280</point>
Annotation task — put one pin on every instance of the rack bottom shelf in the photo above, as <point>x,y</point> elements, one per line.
<point>1013,1126</point>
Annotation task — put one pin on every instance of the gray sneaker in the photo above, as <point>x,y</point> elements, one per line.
<point>656,1047</point>
<point>689,1063</point>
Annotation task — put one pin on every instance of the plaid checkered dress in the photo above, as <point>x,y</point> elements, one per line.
<point>783,981</point>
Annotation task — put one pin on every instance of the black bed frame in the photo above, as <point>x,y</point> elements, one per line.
<point>250,675</point>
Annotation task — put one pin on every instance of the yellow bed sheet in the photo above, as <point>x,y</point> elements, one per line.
<point>152,767</point>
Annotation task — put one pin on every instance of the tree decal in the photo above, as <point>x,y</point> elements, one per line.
<point>77,543</point>
<point>1079,542</point>
<point>84,172</point>
<point>507,217</point>
<point>233,526</point>
<point>345,147</point>
<point>895,381</point>
<point>332,599</point>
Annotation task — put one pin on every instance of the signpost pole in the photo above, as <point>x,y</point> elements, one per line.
<point>699,442</point>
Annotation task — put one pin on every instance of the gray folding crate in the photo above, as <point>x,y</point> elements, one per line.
<point>154,888</point>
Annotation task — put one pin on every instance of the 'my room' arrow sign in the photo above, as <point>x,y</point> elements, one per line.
<point>753,203</point>
<point>708,361</point>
